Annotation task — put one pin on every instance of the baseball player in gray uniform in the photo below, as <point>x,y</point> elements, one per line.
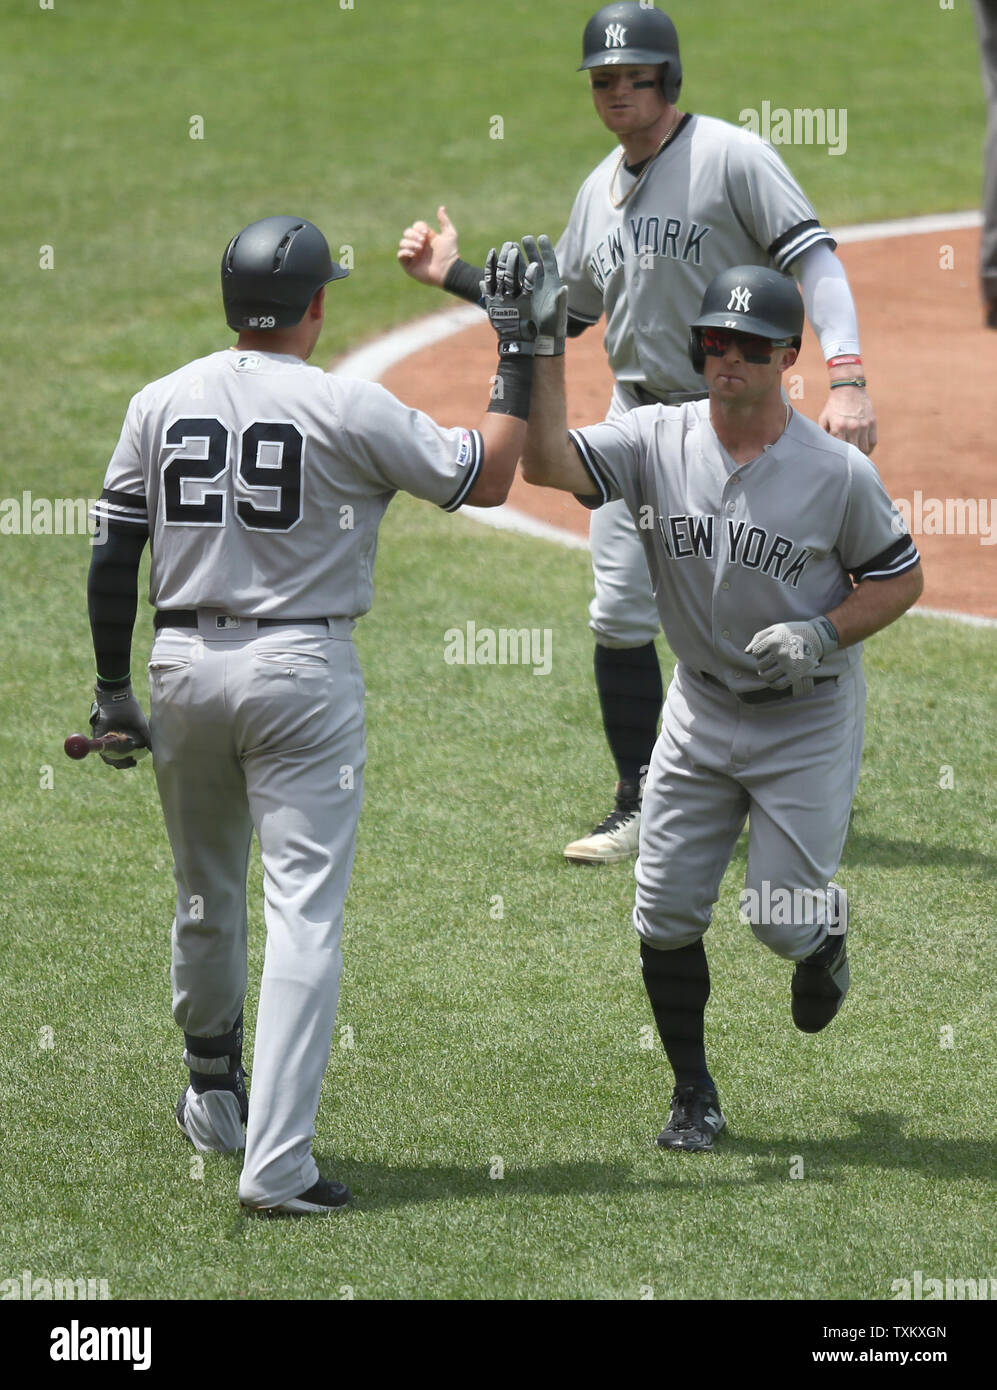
<point>774,551</point>
<point>684,197</point>
<point>260,483</point>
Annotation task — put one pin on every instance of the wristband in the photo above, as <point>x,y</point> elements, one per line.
<point>548,347</point>
<point>845,359</point>
<point>111,682</point>
<point>464,280</point>
<point>853,381</point>
<point>511,392</point>
<point>828,633</point>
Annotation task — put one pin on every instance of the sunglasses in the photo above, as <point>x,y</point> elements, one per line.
<point>716,341</point>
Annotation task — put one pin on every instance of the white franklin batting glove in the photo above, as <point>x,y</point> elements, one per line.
<point>788,653</point>
<point>550,297</point>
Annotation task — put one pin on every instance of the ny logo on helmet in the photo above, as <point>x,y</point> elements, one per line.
<point>616,36</point>
<point>740,297</point>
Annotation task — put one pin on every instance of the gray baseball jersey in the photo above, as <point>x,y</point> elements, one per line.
<point>716,196</point>
<point>733,549</point>
<point>267,502</point>
<point>261,482</point>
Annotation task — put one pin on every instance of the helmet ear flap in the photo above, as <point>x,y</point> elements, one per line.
<point>696,354</point>
<point>670,80</point>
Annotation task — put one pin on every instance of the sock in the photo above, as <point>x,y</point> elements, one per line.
<point>628,680</point>
<point>678,986</point>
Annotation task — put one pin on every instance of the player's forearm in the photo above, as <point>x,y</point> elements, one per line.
<point>549,459</point>
<point>112,600</point>
<point>464,280</point>
<point>503,437</point>
<point>503,431</point>
<point>828,301</point>
<point>874,604</point>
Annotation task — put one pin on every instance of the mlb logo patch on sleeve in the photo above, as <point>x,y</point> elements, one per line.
<point>465,450</point>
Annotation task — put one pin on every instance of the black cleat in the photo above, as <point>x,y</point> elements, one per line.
<point>320,1200</point>
<point>820,982</point>
<point>694,1121</point>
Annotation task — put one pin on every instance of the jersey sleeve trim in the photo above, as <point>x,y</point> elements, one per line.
<point>794,242</point>
<point>896,559</point>
<point>471,476</point>
<point>126,507</point>
<point>603,493</point>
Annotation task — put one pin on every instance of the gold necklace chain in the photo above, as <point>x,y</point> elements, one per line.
<point>623,154</point>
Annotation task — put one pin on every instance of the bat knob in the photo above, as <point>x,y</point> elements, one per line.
<point>77,746</point>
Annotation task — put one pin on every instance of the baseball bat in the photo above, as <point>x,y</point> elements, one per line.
<point>78,745</point>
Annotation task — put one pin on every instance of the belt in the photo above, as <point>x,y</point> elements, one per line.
<point>187,617</point>
<point>766,695</point>
<point>647,397</point>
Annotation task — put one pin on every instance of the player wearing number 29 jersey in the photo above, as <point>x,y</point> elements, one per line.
<point>262,482</point>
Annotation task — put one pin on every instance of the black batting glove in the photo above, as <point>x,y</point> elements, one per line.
<point>118,712</point>
<point>507,290</point>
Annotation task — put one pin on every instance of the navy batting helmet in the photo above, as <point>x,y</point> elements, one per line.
<point>634,34</point>
<point>271,271</point>
<point>749,299</point>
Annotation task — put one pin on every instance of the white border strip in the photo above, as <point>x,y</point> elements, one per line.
<point>907,226</point>
<point>509,519</point>
<point>970,619</point>
<point>372,360</point>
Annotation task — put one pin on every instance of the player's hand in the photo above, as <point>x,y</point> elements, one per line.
<point>507,290</point>
<point>788,652</point>
<point>427,255</point>
<point>848,414</point>
<point>550,297</point>
<point>118,712</point>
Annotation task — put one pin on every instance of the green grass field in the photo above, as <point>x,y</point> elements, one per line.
<point>492,1011</point>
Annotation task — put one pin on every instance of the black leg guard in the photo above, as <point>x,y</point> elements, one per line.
<point>224,1045</point>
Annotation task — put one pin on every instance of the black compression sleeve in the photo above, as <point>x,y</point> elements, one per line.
<point>112,599</point>
<point>513,386</point>
<point>576,326</point>
<point>464,280</point>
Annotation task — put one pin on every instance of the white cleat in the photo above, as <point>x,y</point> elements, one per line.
<point>616,838</point>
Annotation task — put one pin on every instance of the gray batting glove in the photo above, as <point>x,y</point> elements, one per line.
<point>507,290</point>
<point>118,712</point>
<point>550,297</point>
<point>789,652</point>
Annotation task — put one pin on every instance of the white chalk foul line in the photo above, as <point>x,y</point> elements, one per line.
<point>372,360</point>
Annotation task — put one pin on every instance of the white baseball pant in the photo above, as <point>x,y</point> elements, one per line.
<point>794,764</point>
<point>262,729</point>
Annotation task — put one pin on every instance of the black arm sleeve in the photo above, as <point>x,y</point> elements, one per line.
<point>112,599</point>
<point>464,280</point>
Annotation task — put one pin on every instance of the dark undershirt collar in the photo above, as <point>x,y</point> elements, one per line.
<point>634,169</point>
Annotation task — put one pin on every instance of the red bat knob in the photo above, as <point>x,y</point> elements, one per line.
<point>78,745</point>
